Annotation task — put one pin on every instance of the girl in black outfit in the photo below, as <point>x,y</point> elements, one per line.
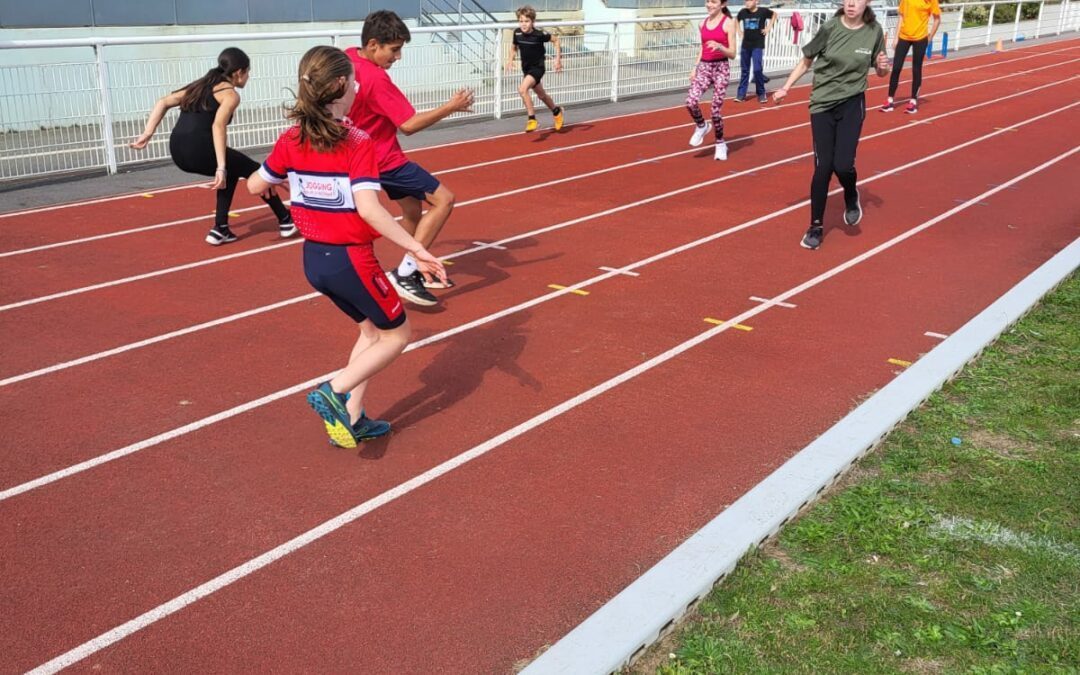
<point>198,141</point>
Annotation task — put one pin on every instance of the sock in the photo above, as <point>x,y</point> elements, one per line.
<point>557,110</point>
<point>407,266</point>
<point>890,99</point>
<point>532,117</point>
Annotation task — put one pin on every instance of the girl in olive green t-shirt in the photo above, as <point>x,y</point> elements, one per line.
<point>842,51</point>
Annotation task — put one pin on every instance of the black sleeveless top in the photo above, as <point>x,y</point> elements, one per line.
<point>200,122</point>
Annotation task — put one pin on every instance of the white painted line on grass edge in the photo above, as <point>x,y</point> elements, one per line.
<point>606,641</point>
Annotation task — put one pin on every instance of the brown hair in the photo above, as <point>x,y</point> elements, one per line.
<point>526,11</point>
<point>384,27</point>
<point>868,16</point>
<point>197,93</point>
<point>321,70</point>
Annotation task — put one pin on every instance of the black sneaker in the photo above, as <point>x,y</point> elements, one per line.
<point>287,228</point>
<point>435,283</point>
<point>763,99</point>
<point>812,238</point>
<point>853,214</point>
<point>220,234</point>
<point>411,288</point>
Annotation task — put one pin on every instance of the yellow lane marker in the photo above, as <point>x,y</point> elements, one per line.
<point>900,362</point>
<point>577,291</point>
<point>717,322</point>
<point>148,195</point>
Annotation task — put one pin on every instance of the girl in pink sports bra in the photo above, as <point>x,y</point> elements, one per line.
<point>717,46</point>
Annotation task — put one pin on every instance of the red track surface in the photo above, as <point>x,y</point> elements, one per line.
<point>480,568</point>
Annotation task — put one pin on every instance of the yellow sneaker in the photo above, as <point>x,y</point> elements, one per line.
<point>559,120</point>
<point>531,125</point>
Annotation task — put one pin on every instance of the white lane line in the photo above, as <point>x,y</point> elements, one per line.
<point>939,336</point>
<point>880,174</point>
<point>235,574</point>
<point>438,337</point>
<point>136,230</point>
<point>779,304</point>
<point>618,270</point>
<point>154,340</point>
<point>484,245</point>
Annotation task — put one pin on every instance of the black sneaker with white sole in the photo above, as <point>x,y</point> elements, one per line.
<point>812,238</point>
<point>220,234</point>
<point>411,288</point>
<point>853,214</point>
<point>287,228</point>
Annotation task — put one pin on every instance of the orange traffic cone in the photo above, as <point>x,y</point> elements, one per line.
<point>1000,47</point>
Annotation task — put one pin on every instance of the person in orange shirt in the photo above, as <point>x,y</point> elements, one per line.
<point>916,32</point>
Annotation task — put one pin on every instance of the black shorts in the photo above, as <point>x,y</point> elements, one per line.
<point>352,278</point>
<point>408,180</point>
<point>537,71</point>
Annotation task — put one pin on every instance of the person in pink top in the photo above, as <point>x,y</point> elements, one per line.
<point>717,46</point>
<point>381,109</point>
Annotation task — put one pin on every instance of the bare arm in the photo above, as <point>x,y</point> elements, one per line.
<point>461,101</point>
<point>772,23</point>
<point>229,101</point>
<point>156,115</point>
<point>558,53</point>
<point>800,69</point>
<point>934,28</point>
<point>513,55</point>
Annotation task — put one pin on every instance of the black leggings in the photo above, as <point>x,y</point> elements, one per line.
<point>194,154</point>
<point>899,56</point>
<point>836,137</point>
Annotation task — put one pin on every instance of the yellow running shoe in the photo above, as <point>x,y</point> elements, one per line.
<point>559,120</point>
<point>531,125</point>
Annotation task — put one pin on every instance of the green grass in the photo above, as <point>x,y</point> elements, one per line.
<point>873,580</point>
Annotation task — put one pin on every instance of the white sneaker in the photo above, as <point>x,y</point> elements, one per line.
<point>699,134</point>
<point>721,151</point>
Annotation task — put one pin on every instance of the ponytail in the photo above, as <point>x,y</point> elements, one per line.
<point>197,93</point>
<point>322,69</point>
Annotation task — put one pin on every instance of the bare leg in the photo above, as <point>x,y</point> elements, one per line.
<point>526,84</point>
<point>431,223</point>
<point>371,354</point>
<point>369,335</point>
<point>542,94</point>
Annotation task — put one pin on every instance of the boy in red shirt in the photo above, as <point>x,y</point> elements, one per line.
<point>381,109</point>
<point>333,183</point>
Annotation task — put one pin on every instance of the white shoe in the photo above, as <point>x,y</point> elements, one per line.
<point>721,151</point>
<point>699,134</point>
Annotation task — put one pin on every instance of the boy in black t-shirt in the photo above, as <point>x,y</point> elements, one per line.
<point>754,24</point>
<point>530,40</point>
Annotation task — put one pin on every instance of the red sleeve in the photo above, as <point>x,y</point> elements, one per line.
<point>275,169</point>
<point>363,167</point>
<point>388,101</point>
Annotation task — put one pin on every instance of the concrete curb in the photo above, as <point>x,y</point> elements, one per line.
<point>614,635</point>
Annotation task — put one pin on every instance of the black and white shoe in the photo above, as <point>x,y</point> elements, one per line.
<point>411,288</point>
<point>812,238</point>
<point>287,228</point>
<point>853,214</point>
<point>220,234</point>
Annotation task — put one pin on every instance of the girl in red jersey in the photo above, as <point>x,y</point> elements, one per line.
<point>334,182</point>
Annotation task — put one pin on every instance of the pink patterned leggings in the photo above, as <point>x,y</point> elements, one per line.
<point>713,74</point>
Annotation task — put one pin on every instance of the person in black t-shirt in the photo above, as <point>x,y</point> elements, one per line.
<point>529,40</point>
<point>754,24</point>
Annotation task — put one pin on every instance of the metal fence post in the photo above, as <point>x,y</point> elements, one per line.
<point>959,27</point>
<point>615,63</point>
<point>497,108</point>
<point>990,23</point>
<point>1038,22</point>
<point>106,108</point>
<point>1016,20</point>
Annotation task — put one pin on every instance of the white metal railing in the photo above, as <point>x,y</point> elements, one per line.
<point>75,104</point>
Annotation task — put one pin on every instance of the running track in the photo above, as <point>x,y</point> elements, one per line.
<point>168,501</point>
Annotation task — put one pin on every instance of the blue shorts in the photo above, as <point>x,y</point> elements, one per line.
<point>408,180</point>
<point>354,280</point>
